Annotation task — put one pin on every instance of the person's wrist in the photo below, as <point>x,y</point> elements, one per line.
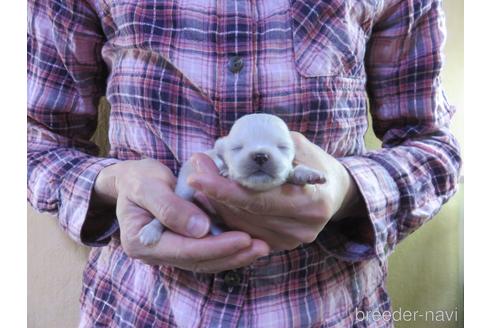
<point>352,203</point>
<point>104,189</point>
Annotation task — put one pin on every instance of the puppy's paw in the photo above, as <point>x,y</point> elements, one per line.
<point>151,233</point>
<point>302,175</point>
<point>217,228</point>
<point>149,236</point>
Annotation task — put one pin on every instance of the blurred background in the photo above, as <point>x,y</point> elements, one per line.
<point>425,271</point>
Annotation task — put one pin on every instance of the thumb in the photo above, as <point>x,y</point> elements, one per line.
<point>202,163</point>
<point>175,213</point>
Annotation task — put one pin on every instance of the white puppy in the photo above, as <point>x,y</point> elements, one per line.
<point>258,154</point>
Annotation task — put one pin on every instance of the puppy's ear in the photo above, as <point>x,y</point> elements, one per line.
<point>220,145</point>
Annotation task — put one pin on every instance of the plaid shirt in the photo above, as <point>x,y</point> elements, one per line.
<point>177,75</point>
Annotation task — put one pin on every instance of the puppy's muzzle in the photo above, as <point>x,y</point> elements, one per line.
<point>260,158</point>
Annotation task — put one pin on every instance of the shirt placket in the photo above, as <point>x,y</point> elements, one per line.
<point>236,71</point>
<point>226,299</point>
<point>235,97</point>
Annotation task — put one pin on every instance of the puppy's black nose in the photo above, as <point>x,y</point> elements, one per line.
<point>260,158</point>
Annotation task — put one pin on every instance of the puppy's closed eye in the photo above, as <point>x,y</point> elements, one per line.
<point>283,147</point>
<point>237,148</point>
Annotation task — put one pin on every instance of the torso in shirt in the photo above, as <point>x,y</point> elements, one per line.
<point>172,67</point>
<point>181,72</point>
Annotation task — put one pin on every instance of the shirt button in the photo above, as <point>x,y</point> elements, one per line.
<point>235,64</point>
<point>232,279</point>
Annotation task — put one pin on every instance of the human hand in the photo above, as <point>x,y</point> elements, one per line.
<point>144,189</point>
<point>289,215</point>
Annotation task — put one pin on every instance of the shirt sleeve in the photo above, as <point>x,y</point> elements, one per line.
<point>406,182</point>
<point>66,78</point>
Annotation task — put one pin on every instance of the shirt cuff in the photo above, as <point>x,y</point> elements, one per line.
<point>360,238</point>
<point>89,226</point>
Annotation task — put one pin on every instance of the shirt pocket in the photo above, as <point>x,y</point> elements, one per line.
<point>328,37</point>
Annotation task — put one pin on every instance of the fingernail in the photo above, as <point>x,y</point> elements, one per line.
<point>261,254</point>
<point>195,161</point>
<point>197,225</point>
<point>191,181</point>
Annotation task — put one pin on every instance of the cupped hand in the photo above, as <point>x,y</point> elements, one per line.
<point>144,189</point>
<point>286,216</point>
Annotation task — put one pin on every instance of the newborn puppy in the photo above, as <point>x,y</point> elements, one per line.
<point>258,154</point>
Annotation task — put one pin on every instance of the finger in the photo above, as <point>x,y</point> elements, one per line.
<point>241,220</point>
<point>220,188</point>
<point>177,248</point>
<point>206,179</point>
<point>272,229</point>
<point>304,148</point>
<point>312,155</point>
<point>173,212</point>
<point>299,139</point>
<point>240,259</point>
<point>131,218</point>
<point>205,202</point>
<point>286,200</point>
<point>203,163</point>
